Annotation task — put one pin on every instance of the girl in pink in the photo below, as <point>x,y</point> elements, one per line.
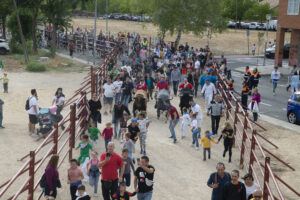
<point>94,172</point>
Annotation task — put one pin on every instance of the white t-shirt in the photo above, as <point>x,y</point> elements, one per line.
<point>59,101</point>
<point>33,102</point>
<point>250,190</point>
<point>197,109</point>
<point>109,90</point>
<point>186,118</point>
<point>194,123</point>
<point>209,89</point>
<point>118,85</point>
<point>143,125</point>
<point>197,64</point>
<point>128,68</point>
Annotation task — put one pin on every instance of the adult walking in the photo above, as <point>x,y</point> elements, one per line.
<point>71,48</point>
<point>196,110</point>
<point>118,84</point>
<point>52,177</point>
<point>95,107</point>
<point>110,162</point>
<point>172,111</point>
<point>150,85</point>
<point>59,101</point>
<point>275,76</point>
<point>295,82</point>
<point>143,181</point>
<point>255,78</point>
<point>33,111</point>
<point>109,91</point>
<point>234,190</point>
<point>208,92</point>
<point>254,106</point>
<point>215,110</point>
<point>250,185</point>
<point>217,181</point>
<point>175,78</point>
<point>126,88</point>
<point>118,112</point>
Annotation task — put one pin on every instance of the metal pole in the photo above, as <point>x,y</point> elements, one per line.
<point>236,11</point>
<point>266,41</point>
<point>95,33</point>
<point>106,10</point>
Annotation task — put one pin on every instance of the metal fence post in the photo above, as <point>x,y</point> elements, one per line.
<point>266,178</point>
<point>235,117</point>
<point>72,130</point>
<point>253,143</point>
<point>31,176</point>
<point>243,142</point>
<point>93,85</point>
<point>55,139</point>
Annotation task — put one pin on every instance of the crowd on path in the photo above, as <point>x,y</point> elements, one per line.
<point>146,76</point>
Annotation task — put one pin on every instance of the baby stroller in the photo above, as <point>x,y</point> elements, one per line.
<point>47,118</point>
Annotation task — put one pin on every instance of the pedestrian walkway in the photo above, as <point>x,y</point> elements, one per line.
<point>266,70</point>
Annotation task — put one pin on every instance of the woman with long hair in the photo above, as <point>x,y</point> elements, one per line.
<point>254,104</point>
<point>52,177</point>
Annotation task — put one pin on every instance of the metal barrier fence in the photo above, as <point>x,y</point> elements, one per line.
<point>62,143</point>
<point>254,157</point>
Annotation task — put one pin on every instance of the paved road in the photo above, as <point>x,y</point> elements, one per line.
<point>273,106</point>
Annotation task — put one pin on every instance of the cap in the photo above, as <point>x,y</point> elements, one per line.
<point>134,120</point>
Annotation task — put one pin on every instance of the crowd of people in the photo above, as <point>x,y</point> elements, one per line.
<point>151,75</point>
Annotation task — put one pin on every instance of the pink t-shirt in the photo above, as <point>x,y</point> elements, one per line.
<point>74,175</point>
<point>143,53</point>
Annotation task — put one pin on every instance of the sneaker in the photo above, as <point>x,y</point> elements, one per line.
<point>175,141</point>
<point>2,127</point>
<point>34,135</point>
<point>144,153</point>
<point>95,194</point>
<point>141,152</point>
<point>197,148</point>
<point>204,159</point>
<point>171,137</point>
<point>273,93</point>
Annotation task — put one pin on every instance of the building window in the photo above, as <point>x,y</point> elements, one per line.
<point>293,7</point>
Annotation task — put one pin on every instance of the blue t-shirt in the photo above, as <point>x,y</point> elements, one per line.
<point>217,192</point>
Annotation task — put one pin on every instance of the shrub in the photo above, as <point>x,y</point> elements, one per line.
<point>36,67</point>
<point>16,47</point>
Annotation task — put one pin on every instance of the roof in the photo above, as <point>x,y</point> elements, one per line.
<point>273,3</point>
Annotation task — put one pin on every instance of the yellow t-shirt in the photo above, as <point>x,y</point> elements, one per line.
<point>5,79</point>
<point>206,142</point>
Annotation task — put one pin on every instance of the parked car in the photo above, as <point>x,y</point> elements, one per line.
<point>261,26</point>
<point>231,24</point>
<point>272,25</point>
<point>293,108</point>
<point>4,47</point>
<point>245,25</point>
<point>253,26</point>
<point>270,52</point>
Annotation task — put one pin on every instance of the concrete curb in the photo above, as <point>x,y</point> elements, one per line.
<point>281,123</point>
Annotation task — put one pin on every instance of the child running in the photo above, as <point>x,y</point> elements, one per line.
<point>129,145</point>
<point>186,119</point>
<point>122,194</point>
<point>205,141</point>
<point>107,134</point>
<point>195,131</point>
<point>123,127</point>
<point>94,131</point>
<point>128,163</point>
<point>228,136</point>
<point>75,176</point>
<point>84,156</point>
<point>81,194</point>
<point>143,126</point>
<point>94,172</point>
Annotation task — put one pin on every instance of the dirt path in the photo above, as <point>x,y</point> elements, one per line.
<point>180,171</point>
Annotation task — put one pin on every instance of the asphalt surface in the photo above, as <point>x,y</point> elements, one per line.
<point>273,106</point>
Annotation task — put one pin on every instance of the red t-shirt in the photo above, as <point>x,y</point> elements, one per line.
<point>172,110</point>
<point>110,170</point>
<point>141,87</point>
<point>183,70</point>
<point>162,85</point>
<point>107,133</point>
<point>186,85</point>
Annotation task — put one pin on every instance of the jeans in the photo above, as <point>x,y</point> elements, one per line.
<point>106,143</point>
<point>195,139</point>
<point>274,86</point>
<point>116,125</point>
<point>204,153</point>
<point>127,179</point>
<point>109,188</point>
<point>196,89</point>
<point>149,93</point>
<point>5,87</point>
<point>94,180</point>
<point>215,120</point>
<point>175,87</point>
<point>144,196</point>
<point>1,118</point>
<point>172,129</point>
<point>73,189</point>
<point>255,116</point>
<point>125,100</point>
<point>118,97</point>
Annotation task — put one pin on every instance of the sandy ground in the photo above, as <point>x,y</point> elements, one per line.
<point>230,42</point>
<point>180,171</point>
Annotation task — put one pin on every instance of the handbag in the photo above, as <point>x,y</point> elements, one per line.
<point>255,107</point>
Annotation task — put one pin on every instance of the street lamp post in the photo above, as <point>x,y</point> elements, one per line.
<point>106,10</point>
<point>95,33</point>
<point>268,17</point>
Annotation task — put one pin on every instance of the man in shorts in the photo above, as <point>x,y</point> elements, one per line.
<point>196,109</point>
<point>33,112</point>
<point>109,92</point>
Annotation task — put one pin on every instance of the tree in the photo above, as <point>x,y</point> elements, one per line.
<point>26,23</point>
<point>5,10</point>
<point>229,8</point>
<point>57,13</point>
<point>258,12</point>
<point>187,16</point>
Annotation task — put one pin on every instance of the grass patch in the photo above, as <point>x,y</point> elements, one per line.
<point>36,67</point>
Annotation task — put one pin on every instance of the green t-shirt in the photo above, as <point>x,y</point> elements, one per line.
<point>84,151</point>
<point>94,133</point>
<point>1,64</point>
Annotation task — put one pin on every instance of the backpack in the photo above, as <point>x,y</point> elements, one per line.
<point>94,170</point>
<point>27,106</point>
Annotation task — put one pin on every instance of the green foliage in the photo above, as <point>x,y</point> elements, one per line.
<point>258,12</point>
<point>26,23</point>
<point>35,67</point>
<point>229,8</point>
<point>16,47</point>
<point>5,8</point>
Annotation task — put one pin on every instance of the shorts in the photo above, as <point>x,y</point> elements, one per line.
<point>108,100</point>
<point>33,119</point>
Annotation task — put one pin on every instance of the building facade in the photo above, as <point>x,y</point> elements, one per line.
<point>288,18</point>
